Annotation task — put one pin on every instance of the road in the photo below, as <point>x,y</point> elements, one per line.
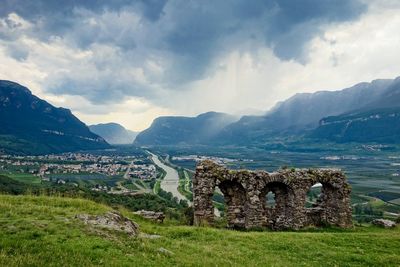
<point>126,175</point>
<point>170,182</point>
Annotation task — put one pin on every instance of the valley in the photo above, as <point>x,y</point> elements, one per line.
<point>372,170</point>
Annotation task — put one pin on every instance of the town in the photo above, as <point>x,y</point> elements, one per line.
<point>71,166</point>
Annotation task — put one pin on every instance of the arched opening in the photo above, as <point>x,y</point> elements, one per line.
<point>321,204</point>
<point>313,197</point>
<point>274,198</point>
<point>235,201</point>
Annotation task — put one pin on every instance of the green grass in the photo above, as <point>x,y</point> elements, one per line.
<point>131,186</point>
<point>157,187</point>
<point>24,177</point>
<point>42,231</point>
<point>184,184</point>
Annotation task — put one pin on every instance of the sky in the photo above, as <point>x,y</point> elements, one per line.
<point>132,61</point>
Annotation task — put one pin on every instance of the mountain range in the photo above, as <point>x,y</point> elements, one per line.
<point>365,112</point>
<point>185,130</point>
<point>33,126</point>
<point>305,114</point>
<point>114,133</point>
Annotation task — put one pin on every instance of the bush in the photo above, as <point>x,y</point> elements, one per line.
<point>188,216</point>
<point>11,186</point>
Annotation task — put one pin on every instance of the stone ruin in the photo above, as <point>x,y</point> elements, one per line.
<point>245,195</point>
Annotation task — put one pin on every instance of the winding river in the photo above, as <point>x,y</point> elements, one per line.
<point>170,182</point>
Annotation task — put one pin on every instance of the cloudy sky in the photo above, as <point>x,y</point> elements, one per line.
<point>131,61</point>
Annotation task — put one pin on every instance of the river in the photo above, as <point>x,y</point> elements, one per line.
<point>170,182</point>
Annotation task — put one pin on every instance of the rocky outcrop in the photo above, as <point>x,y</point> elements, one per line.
<point>151,215</point>
<point>245,197</point>
<point>111,220</point>
<point>384,223</point>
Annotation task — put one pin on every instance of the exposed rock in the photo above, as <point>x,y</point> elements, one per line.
<point>245,197</point>
<point>151,215</point>
<point>165,251</point>
<point>384,223</point>
<point>143,235</point>
<point>111,220</point>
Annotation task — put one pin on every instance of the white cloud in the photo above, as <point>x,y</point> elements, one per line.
<point>13,23</point>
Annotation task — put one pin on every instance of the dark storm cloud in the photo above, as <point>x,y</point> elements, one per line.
<point>202,30</point>
<point>185,36</point>
<point>296,22</point>
<point>33,9</point>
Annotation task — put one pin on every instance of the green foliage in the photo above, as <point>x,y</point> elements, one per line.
<point>157,187</point>
<point>11,186</point>
<point>25,178</point>
<point>366,212</point>
<point>188,215</point>
<point>185,184</point>
<point>160,172</point>
<point>165,203</point>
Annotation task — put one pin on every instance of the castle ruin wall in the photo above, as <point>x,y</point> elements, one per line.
<point>245,195</point>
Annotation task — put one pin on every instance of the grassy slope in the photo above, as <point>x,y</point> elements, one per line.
<point>24,177</point>
<point>40,231</point>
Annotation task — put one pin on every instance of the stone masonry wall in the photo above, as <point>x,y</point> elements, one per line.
<point>245,197</point>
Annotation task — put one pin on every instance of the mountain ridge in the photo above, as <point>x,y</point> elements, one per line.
<point>184,130</point>
<point>296,115</point>
<point>377,125</point>
<point>32,125</point>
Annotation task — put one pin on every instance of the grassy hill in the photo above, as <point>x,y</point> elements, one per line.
<point>42,231</point>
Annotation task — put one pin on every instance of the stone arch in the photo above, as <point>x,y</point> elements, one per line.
<point>332,206</point>
<point>235,203</point>
<point>316,213</point>
<point>313,195</point>
<point>277,216</point>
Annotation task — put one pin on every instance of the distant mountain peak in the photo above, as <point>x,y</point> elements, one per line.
<point>173,130</point>
<point>114,133</point>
